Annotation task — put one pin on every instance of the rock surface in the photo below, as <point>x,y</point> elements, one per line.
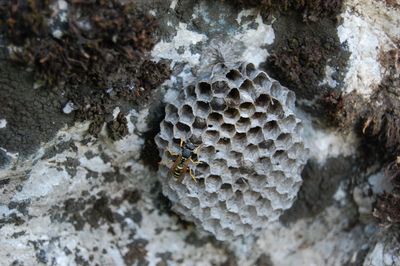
<point>68,198</point>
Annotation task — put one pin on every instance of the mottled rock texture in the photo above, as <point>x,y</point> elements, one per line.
<point>72,198</point>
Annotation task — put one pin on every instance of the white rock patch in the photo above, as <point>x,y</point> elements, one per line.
<point>3,123</point>
<point>369,28</point>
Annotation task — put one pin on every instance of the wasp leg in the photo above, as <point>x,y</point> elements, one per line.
<point>164,161</point>
<point>181,144</point>
<point>191,174</point>
<point>194,162</point>
<point>197,148</point>
<point>173,153</point>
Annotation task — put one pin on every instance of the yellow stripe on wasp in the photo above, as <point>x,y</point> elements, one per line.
<point>181,163</point>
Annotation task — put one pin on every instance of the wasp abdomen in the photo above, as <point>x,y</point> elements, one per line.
<point>178,170</point>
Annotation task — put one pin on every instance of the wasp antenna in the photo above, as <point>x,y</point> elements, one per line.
<point>191,174</point>
<point>198,148</point>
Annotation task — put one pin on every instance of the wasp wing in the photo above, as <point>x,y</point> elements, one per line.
<point>185,168</point>
<point>176,162</point>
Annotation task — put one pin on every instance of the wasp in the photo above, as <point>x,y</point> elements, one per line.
<point>181,164</point>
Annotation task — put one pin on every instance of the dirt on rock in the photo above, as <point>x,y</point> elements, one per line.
<point>387,207</point>
<point>92,55</point>
<point>376,121</point>
<point>301,53</point>
<point>118,128</point>
<point>95,38</point>
<point>320,183</point>
<point>33,115</point>
<point>311,10</point>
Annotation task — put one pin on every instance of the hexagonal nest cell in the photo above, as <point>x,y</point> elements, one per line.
<point>251,154</point>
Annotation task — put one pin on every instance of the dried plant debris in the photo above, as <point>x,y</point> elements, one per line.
<point>392,3</point>
<point>332,101</point>
<point>383,118</point>
<point>387,207</point>
<point>118,128</point>
<point>95,53</point>
<point>22,20</point>
<point>376,119</point>
<point>311,10</point>
<point>393,172</point>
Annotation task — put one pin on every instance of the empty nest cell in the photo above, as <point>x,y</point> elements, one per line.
<point>219,167</point>
<point>214,119</point>
<point>283,141</point>
<point>186,114</point>
<point>166,130</point>
<point>210,137</point>
<point>213,183</point>
<point>257,182</point>
<point>247,214</point>
<point>247,92</point>
<point>227,130</point>
<point>233,75</point>
<point>218,104</point>
<point>250,70</point>
<point>258,119</point>
<point>224,143</point>
<point>255,135</point>
<point>190,92</point>
<point>202,169</point>
<point>243,124</point>
<point>263,101</point>
<point>220,88</point>
<point>287,124</point>
<point>182,130</point>
<point>239,141</point>
<point>261,79</point>
<point>233,204</point>
<point>240,184</point>
<point>275,108</point>
<point>233,98</point>
<point>199,123</point>
<point>251,153</point>
<point>225,192</point>
<point>208,201</point>
<point>271,130</point>
<point>231,115</point>
<point>171,114</point>
<point>202,109</point>
<point>247,109</point>
<point>266,147</point>
<point>277,92</point>
<point>203,91</point>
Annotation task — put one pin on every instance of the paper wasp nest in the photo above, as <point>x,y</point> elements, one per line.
<point>251,151</point>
